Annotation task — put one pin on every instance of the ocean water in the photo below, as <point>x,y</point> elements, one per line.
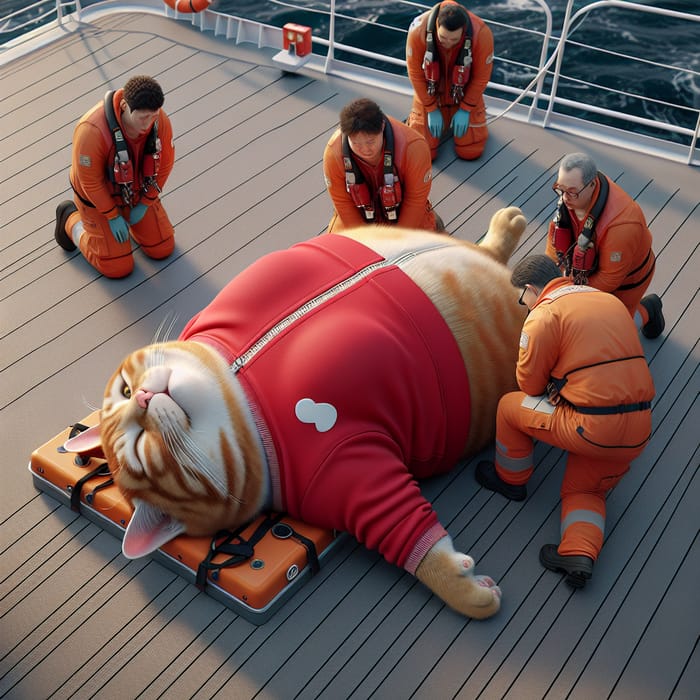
<point>655,38</point>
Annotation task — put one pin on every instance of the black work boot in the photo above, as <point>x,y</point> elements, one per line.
<point>656,323</point>
<point>486,476</point>
<point>578,568</point>
<point>63,211</point>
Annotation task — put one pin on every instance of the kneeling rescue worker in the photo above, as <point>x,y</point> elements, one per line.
<point>599,237</point>
<point>122,156</point>
<point>585,387</point>
<point>378,171</point>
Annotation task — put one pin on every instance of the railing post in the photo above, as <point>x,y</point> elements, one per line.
<point>543,61</point>
<point>560,57</point>
<point>331,38</point>
<point>694,141</point>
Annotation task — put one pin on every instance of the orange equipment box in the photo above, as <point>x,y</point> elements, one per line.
<point>253,570</point>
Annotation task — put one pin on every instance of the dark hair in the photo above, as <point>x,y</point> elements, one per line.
<point>451,17</point>
<point>536,270</point>
<point>143,92</point>
<point>361,115</point>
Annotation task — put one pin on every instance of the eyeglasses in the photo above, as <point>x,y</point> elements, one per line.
<point>573,195</point>
<point>522,294</point>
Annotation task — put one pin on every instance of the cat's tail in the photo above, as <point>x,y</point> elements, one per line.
<point>505,229</point>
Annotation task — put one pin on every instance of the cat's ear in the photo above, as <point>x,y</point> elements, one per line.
<point>87,441</point>
<point>148,529</point>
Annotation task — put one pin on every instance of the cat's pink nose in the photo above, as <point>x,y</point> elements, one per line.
<point>143,397</point>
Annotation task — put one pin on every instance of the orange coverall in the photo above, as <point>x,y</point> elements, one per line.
<point>623,241</point>
<point>472,144</point>
<point>93,155</point>
<point>585,339</point>
<point>413,165</point>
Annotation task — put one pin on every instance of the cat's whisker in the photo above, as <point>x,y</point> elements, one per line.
<point>155,356</point>
<point>192,459</point>
<point>91,406</point>
<point>164,331</point>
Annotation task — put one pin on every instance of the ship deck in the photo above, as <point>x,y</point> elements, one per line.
<point>79,620</point>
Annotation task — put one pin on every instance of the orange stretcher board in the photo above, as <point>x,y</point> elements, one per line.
<point>268,560</point>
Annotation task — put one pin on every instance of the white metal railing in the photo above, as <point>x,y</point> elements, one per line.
<point>546,92</point>
<point>534,83</point>
<point>36,14</point>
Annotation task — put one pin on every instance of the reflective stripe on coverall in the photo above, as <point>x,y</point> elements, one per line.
<point>602,371</point>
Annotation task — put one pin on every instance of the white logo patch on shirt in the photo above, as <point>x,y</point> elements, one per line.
<point>322,415</point>
<point>85,161</point>
<point>616,256</point>
<point>489,59</point>
<point>428,175</point>
<point>524,340</point>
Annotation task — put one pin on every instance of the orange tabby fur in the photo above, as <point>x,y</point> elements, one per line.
<point>217,478</point>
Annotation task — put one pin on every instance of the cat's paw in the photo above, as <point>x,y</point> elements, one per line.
<point>505,229</point>
<point>450,575</point>
<point>509,220</point>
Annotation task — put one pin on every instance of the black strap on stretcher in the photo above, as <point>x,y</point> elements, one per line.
<point>224,542</point>
<point>101,470</point>
<point>284,530</point>
<point>76,490</point>
<point>240,549</point>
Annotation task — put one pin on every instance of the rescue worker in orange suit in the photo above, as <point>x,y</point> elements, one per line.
<point>117,173</point>
<point>449,56</point>
<point>585,387</point>
<point>599,236</point>
<point>378,171</point>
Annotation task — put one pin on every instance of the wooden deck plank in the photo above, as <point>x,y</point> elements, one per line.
<point>82,620</point>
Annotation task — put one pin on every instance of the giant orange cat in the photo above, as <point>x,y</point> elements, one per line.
<point>323,381</point>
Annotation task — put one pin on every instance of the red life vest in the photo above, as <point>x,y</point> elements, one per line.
<point>121,173</point>
<point>390,191</point>
<point>579,257</point>
<point>431,61</point>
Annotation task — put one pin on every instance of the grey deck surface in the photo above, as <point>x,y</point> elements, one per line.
<point>79,620</point>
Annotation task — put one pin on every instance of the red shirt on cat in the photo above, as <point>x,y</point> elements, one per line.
<point>358,398</point>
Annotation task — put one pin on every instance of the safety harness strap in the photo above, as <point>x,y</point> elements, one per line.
<point>390,191</point>
<point>562,222</point>
<point>431,64</point>
<point>611,410</point>
<point>122,171</point>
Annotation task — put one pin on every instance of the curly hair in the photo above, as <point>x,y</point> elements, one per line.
<point>143,92</point>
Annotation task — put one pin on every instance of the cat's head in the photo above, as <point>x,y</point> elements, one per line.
<point>180,443</point>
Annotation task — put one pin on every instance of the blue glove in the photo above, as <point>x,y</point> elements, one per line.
<point>435,123</point>
<point>137,213</point>
<point>460,123</point>
<point>120,229</point>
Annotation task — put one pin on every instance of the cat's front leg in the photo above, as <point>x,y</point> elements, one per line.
<point>450,575</point>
